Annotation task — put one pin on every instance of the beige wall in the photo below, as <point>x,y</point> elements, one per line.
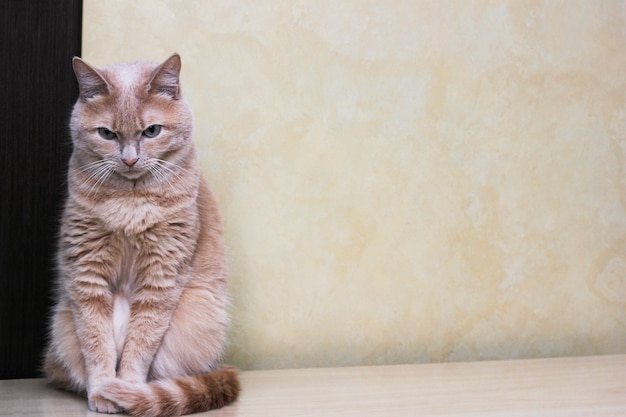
<point>404,181</point>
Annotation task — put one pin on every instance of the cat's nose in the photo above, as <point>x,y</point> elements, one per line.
<point>130,161</point>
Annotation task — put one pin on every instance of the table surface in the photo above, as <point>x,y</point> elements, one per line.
<point>580,386</point>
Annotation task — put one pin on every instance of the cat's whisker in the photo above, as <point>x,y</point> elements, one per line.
<point>165,162</point>
<point>97,174</point>
<point>163,177</point>
<point>156,174</point>
<point>94,168</point>
<point>103,178</point>
<point>92,165</point>
<point>177,173</point>
<point>163,173</point>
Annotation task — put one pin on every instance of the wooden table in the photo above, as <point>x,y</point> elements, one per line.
<point>583,386</point>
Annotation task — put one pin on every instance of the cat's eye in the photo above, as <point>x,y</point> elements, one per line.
<point>106,133</point>
<point>152,131</point>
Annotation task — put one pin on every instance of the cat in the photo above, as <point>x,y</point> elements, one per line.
<point>141,306</point>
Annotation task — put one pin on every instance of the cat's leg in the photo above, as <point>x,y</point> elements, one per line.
<point>185,376</point>
<point>160,264</point>
<point>150,315</point>
<point>64,364</point>
<point>87,261</point>
<point>195,338</point>
<point>95,336</point>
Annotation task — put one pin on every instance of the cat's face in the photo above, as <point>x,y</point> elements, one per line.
<point>130,122</point>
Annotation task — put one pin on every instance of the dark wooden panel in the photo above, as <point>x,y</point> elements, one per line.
<point>37,89</point>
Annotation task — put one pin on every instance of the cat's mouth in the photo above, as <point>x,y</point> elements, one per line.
<point>132,174</point>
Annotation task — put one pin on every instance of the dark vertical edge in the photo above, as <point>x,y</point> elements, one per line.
<point>37,90</point>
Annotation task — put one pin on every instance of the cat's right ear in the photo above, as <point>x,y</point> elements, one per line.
<point>90,82</point>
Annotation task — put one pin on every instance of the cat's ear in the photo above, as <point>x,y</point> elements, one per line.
<point>165,78</point>
<point>90,82</point>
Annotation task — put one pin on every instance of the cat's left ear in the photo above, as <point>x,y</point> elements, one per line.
<point>165,78</point>
<point>90,81</point>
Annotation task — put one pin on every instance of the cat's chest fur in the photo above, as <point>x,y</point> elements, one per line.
<point>131,215</point>
<point>125,279</point>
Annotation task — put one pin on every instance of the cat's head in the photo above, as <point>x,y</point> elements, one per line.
<point>130,121</point>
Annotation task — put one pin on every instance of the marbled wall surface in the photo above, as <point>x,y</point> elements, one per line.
<point>404,181</point>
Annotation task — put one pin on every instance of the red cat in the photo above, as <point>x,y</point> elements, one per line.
<point>141,314</point>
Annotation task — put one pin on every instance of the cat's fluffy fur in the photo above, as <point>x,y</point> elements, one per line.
<point>141,313</point>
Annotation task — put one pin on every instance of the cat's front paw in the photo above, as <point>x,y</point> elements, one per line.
<point>99,404</point>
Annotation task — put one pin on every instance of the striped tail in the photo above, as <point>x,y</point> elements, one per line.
<point>165,398</point>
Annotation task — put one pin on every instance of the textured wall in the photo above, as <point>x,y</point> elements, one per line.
<point>404,181</point>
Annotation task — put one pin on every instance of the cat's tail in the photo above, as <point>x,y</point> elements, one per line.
<point>165,398</point>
